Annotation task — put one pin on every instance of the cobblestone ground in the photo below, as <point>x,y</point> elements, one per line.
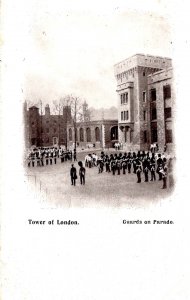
<point>100,189</point>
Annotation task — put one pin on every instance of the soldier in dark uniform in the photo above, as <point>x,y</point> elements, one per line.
<point>73,174</point>
<point>164,174</point>
<point>101,165</point>
<point>82,172</point>
<point>138,170</point>
<point>42,159</point>
<point>47,157</point>
<point>129,162</point>
<point>118,165</point>
<point>29,159</point>
<point>55,156</point>
<point>113,166</point>
<point>153,167</point>
<point>146,168</point>
<point>124,164</point>
<point>134,162</point>
<point>107,164</point>
<point>50,157</point>
<point>159,166</point>
<point>33,158</point>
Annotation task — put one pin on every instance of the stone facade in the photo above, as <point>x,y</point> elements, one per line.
<point>133,99</point>
<point>97,134</point>
<point>161,107</point>
<point>46,130</point>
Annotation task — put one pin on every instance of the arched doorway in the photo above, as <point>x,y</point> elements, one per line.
<point>81,134</point>
<point>88,134</point>
<point>97,134</point>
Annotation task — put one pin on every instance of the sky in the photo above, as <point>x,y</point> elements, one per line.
<point>71,49</point>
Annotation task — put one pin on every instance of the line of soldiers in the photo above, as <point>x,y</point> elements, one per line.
<point>48,156</point>
<point>148,163</point>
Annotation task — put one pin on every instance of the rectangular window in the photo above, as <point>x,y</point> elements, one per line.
<point>145,136</point>
<point>153,95</point>
<point>168,112</point>
<point>47,130</point>
<point>121,97</point>
<point>154,114</point>
<point>168,136</point>
<point>127,115</point>
<point>144,96</point>
<point>167,91</point>
<point>122,115</point>
<point>154,135</point>
<point>126,98</point>
<point>144,115</point>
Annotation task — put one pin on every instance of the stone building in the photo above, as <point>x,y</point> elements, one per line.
<point>97,134</point>
<point>135,124</point>
<point>46,129</point>
<point>161,103</point>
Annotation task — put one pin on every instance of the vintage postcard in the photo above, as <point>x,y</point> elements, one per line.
<point>94,146</point>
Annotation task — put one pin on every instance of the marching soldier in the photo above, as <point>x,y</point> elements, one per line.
<point>50,157</point>
<point>164,174</point>
<point>47,157</point>
<point>129,161</point>
<point>124,165</point>
<point>146,168</point>
<point>153,167</point>
<point>134,162</point>
<point>113,166</point>
<point>118,165</point>
<point>138,170</point>
<point>159,166</point>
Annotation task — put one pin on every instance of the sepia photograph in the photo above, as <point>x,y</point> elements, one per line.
<point>94,150</point>
<point>99,107</point>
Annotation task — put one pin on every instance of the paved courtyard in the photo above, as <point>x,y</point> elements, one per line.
<point>100,189</point>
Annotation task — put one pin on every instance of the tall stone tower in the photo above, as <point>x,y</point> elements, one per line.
<point>86,113</point>
<point>133,106</point>
<point>34,126</point>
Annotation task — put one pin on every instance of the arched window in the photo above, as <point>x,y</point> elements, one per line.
<point>70,134</point>
<point>88,134</point>
<point>81,134</point>
<point>97,134</point>
<point>114,133</point>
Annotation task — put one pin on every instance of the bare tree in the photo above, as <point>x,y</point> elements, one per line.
<point>58,110</point>
<point>76,106</point>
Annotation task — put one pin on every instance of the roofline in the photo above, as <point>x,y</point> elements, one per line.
<point>145,55</point>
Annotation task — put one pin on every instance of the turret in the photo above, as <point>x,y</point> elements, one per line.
<point>47,110</point>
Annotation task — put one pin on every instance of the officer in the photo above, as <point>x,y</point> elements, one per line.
<point>138,170</point>
<point>153,167</point>
<point>146,168</point>
<point>159,166</point>
<point>73,174</point>
<point>82,172</point>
